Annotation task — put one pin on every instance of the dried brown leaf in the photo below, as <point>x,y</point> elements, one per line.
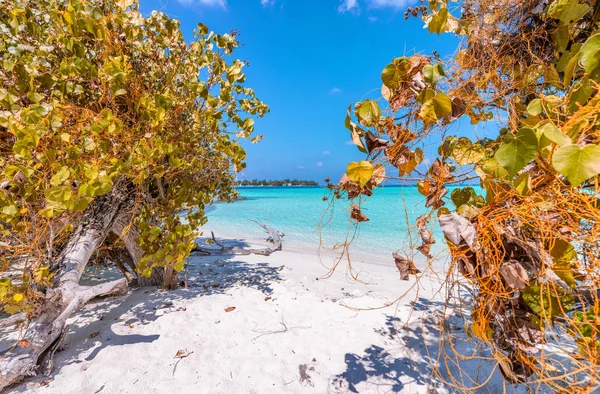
<point>356,214</point>
<point>375,143</point>
<point>405,266</point>
<point>515,275</point>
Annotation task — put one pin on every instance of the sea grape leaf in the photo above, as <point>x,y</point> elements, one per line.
<point>462,196</point>
<point>394,73</point>
<point>355,131</point>
<point>568,11</point>
<point>456,229</point>
<point>465,152</point>
<point>437,21</point>
<point>409,161</point>
<point>491,167</point>
<point>590,55</point>
<point>61,176</point>
<point>405,267</point>
<point>517,150</point>
<point>435,108</point>
<point>534,108</point>
<point>548,301</point>
<point>482,331</point>
<point>375,143</point>
<point>433,74</point>
<point>514,274</point>
<point>577,164</point>
<point>368,113</point>
<point>360,172</point>
<point>523,184</point>
<point>553,133</point>
<point>580,95</point>
<point>357,214</point>
<point>563,251</point>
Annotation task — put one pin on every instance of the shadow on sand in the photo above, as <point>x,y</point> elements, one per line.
<point>206,275</point>
<point>417,357</point>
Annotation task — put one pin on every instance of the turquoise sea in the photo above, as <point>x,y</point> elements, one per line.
<point>306,219</point>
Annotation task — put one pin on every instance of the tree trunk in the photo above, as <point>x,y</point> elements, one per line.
<point>66,296</point>
<point>126,230</point>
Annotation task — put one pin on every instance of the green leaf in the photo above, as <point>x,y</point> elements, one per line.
<point>568,11</point>
<point>360,172</point>
<point>435,109</point>
<point>438,21</point>
<point>433,74</point>
<point>395,73</point>
<point>465,152</point>
<point>548,301</point>
<point>493,168</point>
<point>10,210</point>
<point>534,108</point>
<point>563,251</point>
<point>523,184</point>
<point>577,164</point>
<point>590,56</point>
<point>368,113</point>
<point>355,131</point>
<point>553,133</point>
<point>60,176</point>
<point>462,196</point>
<point>517,150</point>
<point>580,95</point>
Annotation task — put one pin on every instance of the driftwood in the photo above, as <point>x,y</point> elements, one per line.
<point>13,320</point>
<point>275,237</point>
<point>47,327</point>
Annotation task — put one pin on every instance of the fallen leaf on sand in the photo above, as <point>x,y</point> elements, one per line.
<point>182,353</point>
<point>24,343</point>
<point>46,382</point>
<point>267,298</point>
<point>229,309</point>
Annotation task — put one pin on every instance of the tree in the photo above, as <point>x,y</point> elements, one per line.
<point>109,123</point>
<point>527,240</point>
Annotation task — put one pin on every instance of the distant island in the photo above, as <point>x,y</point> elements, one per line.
<point>284,182</point>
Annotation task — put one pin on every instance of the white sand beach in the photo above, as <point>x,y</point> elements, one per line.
<point>292,331</point>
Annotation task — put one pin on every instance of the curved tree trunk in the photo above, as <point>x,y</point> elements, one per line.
<point>125,229</point>
<point>67,295</point>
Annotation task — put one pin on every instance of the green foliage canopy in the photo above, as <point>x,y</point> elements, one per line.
<point>93,95</point>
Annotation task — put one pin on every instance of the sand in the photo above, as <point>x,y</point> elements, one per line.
<point>292,331</point>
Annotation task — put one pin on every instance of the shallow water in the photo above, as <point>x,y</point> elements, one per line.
<point>306,219</point>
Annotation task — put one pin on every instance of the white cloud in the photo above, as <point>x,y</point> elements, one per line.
<point>208,3</point>
<point>390,3</point>
<point>335,90</point>
<point>353,6</point>
<point>326,152</point>
<point>350,142</point>
<point>372,19</point>
<point>300,167</point>
<point>320,164</point>
<point>267,3</point>
<point>348,6</point>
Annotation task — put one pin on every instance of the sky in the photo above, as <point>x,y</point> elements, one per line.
<point>309,60</point>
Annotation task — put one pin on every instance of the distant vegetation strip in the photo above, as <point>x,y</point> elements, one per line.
<point>285,182</point>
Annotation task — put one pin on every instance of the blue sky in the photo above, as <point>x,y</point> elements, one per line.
<point>309,59</point>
